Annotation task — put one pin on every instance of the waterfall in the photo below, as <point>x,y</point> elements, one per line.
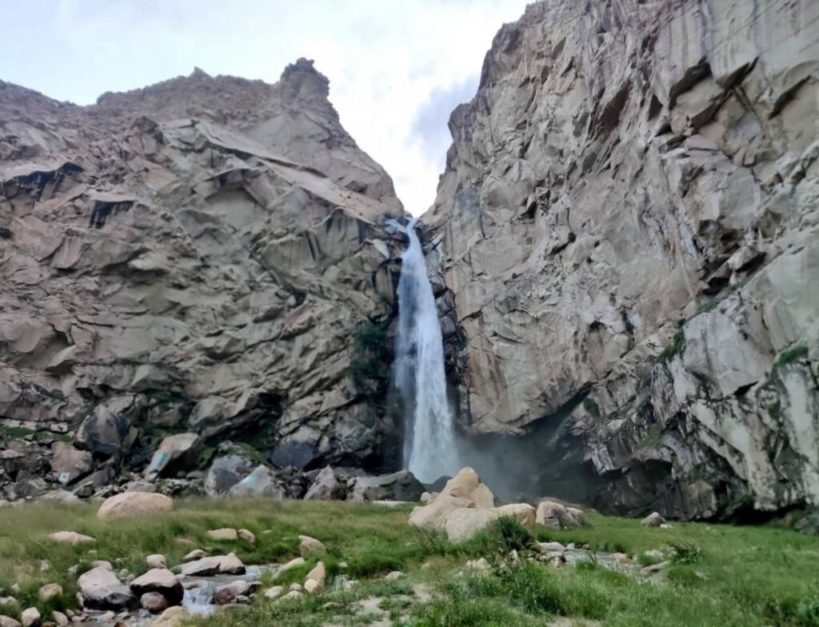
<point>429,445</point>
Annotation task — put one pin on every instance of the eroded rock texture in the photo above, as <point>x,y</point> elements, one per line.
<point>193,256</point>
<point>628,223</point>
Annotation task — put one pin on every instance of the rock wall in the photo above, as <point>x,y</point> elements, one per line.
<point>628,223</point>
<point>193,256</point>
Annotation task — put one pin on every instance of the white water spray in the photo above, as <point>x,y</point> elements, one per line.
<point>429,448</point>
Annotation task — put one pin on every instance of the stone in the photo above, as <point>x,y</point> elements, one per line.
<point>479,565</point>
<point>172,617</point>
<point>309,545</point>
<point>218,564</point>
<point>296,587</point>
<point>70,463</point>
<point>316,578</point>
<point>465,522</point>
<point>103,564</point>
<point>325,487</point>
<point>175,452</point>
<point>101,590</point>
<point>154,602</point>
<point>130,504</point>
<point>156,561</point>
<point>30,617</point>
<point>464,490</point>
<point>652,520</point>
<point>259,483</point>
<point>557,516</point>
<point>394,575</point>
<point>59,618</point>
<point>274,592</point>
<point>523,513</point>
<point>227,594</point>
<point>70,537</point>
<point>225,472</point>
<point>107,429</point>
<point>8,621</point>
<point>159,580</point>
<point>247,536</point>
<point>196,554</point>
<point>298,561</point>
<point>224,534</point>
<point>293,594</point>
<point>49,591</point>
<point>9,603</point>
<point>397,486</point>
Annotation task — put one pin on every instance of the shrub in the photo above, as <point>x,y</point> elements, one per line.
<point>800,351</point>
<point>371,360</point>
<point>501,536</point>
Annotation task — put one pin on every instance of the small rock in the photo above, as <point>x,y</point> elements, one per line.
<point>49,591</point>
<point>653,520</point>
<point>394,575</point>
<point>316,578</point>
<point>154,602</point>
<point>70,537</point>
<point>309,545</point>
<point>30,616</point>
<point>59,618</point>
<point>45,566</point>
<point>665,526</point>
<point>196,554</point>
<point>103,564</point>
<point>9,602</point>
<point>480,564</point>
<point>8,621</point>
<point>230,593</point>
<point>247,536</point>
<point>159,580</point>
<point>274,593</point>
<point>289,566</point>
<point>293,594</point>
<point>224,534</point>
<point>551,547</point>
<point>156,561</point>
<point>295,587</point>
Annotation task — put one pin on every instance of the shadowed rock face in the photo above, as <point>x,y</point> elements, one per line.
<point>627,227</point>
<point>192,256</point>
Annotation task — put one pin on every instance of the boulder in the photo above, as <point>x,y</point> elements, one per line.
<point>223,534</point>
<point>130,504</point>
<point>159,580</point>
<point>464,490</point>
<point>259,483</point>
<point>653,520</point>
<point>309,545</point>
<point>154,602</point>
<point>179,451</point>
<point>397,486</point>
<point>463,523</point>
<point>70,463</point>
<point>30,617</point>
<point>70,537</point>
<point>108,429</point>
<point>101,590</point>
<point>524,513</point>
<point>556,515</point>
<point>218,564</point>
<point>8,621</point>
<point>316,578</point>
<point>49,591</point>
<point>325,487</point>
<point>225,472</point>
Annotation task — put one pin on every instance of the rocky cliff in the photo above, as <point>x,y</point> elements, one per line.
<point>629,225</point>
<point>196,256</point>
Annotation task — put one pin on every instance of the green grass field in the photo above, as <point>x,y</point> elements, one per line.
<point>721,575</point>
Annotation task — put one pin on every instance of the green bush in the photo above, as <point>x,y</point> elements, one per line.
<point>372,358</point>
<point>501,536</point>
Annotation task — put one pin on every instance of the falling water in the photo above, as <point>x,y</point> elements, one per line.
<point>429,449</point>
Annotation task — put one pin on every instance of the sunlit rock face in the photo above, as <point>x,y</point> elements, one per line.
<point>192,256</point>
<point>628,223</point>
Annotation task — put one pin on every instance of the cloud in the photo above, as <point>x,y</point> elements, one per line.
<point>396,68</point>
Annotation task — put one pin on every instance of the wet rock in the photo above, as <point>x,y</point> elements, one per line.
<point>309,545</point>
<point>325,487</point>
<point>159,580</point>
<point>260,483</point>
<point>154,602</point>
<point>70,537</point>
<point>100,589</point>
<point>179,451</point>
<point>130,504</point>
<point>397,486</point>
<point>230,592</point>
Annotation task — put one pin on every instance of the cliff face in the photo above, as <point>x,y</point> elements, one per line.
<point>628,222</point>
<point>193,256</point>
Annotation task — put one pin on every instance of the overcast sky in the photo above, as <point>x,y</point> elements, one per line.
<point>396,68</point>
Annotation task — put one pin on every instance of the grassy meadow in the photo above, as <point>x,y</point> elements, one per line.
<point>718,574</point>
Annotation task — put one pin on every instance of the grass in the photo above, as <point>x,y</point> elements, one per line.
<point>795,353</point>
<point>718,574</point>
<point>673,349</point>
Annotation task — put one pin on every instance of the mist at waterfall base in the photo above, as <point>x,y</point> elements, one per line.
<point>418,371</point>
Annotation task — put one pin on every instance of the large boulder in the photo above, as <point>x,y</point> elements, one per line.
<point>325,487</point>
<point>397,486</point>
<point>134,504</point>
<point>259,483</point>
<point>176,452</point>
<point>556,515</point>
<point>107,431</point>
<point>159,580</point>
<point>70,463</point>
<point>463,490</point>
<point>225,472</point>
<point>463,523</point>
<point>101,590</point>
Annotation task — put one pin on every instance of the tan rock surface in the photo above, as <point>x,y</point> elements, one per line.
<point>134,504</point>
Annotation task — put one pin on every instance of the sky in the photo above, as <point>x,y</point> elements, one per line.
<point>397,68</point>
